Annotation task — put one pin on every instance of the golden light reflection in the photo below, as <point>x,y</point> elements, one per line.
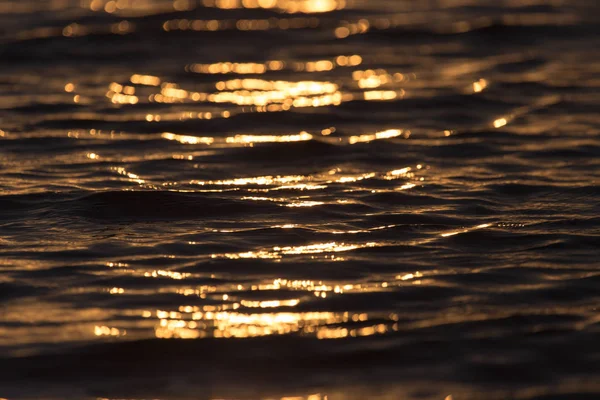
<point>287,6</point>
<point>299,186</point>
<point>388,134</point>
<point>184,139</point>
<point>213,321</point>
<point>406,186</point>
<point>277,252</point>
<point>538,104</point>
<point>465,230</point>
<point>397,173</point>
<point>119,94</point>
<point>480,85</point>
<point>287,202</point>
<point>167,274</point>
<point>500,122</point>
<point>372,82</point>
<point>274,65</point>
<point>407,277</point>
<point>148,80</point>
<point>316,396</point>
<point>116,265</point>
<point>311,182</point>
<point>319,288</point>
<point>318,66</point>
<point>349,61</point>
<point>270,303</point>
<point>235,324</point>
<point>355,231</point>
<point>352,28</point>
<point>134,177</point>
<point>258,92</point>
<point>262,95</point>
<point>321,248</point>
<point>381,95</point>
<point>107,331</point>
<point>232,68</point>
<point>341,332</point>
<point>292,89</point>
<point>305,204</point>
<point>260,180</point>
<point>370,79</point>
<point>246,139</point>
<point>354,178</point>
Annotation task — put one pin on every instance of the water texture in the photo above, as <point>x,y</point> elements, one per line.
<point>300,199</point>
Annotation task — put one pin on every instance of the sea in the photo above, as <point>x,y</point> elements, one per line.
<point>300,199</point>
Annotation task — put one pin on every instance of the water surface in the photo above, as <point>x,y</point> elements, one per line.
<point>299,199</point>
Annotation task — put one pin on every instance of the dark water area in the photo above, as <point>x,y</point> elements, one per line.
<point>300,199</point>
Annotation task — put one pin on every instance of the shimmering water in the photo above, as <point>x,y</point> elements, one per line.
<point>300,199</point>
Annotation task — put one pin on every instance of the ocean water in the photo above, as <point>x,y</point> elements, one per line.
<point>300,199</point>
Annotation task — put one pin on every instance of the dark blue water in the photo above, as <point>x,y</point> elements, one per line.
<point>300,199</point>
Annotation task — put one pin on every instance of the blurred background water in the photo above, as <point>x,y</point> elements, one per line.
<point>329,199</point>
